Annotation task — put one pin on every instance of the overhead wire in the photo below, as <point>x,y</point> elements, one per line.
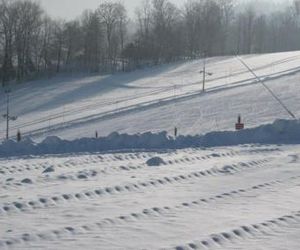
<point>267,88</point>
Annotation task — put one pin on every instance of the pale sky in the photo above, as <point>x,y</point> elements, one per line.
<point>68,9</point>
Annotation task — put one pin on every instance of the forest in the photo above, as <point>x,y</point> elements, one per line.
<point>107,40</point>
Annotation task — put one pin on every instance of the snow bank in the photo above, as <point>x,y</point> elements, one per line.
<point>280,132</point>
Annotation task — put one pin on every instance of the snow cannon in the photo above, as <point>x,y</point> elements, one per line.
<point>239,125</point>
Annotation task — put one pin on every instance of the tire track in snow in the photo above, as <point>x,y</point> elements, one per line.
<point>147,213</point>
<point>44,202</point>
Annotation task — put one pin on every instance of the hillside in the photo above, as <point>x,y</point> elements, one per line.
<point>157,99</point>
<point>130,190</point>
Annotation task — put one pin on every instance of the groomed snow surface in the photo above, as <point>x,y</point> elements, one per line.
<point>136,187</point>
<point>245,197</point>
<point>157,99</point>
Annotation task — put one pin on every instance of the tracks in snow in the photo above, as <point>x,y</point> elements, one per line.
<point>156,212</point>
<point>98,166</point>
<point>81,162</point>
<point>43,202</point>
<point>244,232</point>
<point>191,183</point>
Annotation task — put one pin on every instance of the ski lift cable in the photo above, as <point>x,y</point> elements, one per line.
<point>267,88</point>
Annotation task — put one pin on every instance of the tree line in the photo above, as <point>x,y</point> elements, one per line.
<point>106,40</point>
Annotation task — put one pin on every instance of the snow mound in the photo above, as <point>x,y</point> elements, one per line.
<point>155,162</point>
<point>49,170</point>
<point>280,132</point>
<point>27,181</point>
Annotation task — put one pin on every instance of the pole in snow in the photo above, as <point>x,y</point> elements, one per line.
<point>19,137</point>
<point>7,115</point>
<point>204,72</point>
<point>175,132</point>
<point>239,125</point>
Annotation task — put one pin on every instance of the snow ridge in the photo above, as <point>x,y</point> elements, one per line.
<point>280,132</point>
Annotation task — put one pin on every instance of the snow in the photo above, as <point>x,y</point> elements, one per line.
<point>157,99</point>
<point>116,201</point>
<point>136,187</point>
<point>280,132</point>
<point>155,161</point>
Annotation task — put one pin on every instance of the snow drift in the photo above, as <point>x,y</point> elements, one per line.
<point>280,132</point>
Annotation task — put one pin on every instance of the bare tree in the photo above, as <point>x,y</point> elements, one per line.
<point>33,44</point>
<point>26,27</point>
<point>144,14</point>
<point>246,21</point>
<point>192,18</point>
<point>46,40</point>
<point>7,20</point>
<point>59,43</point>
<point>112,16</point>
<point>260,34</point>
<point>122,30</point>
<point>228,15</point>
<point>92,41</point>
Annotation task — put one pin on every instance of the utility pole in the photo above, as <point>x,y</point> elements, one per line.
<point>7,115</point>
<point>204,72</point>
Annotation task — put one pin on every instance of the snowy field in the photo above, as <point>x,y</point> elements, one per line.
<point>242,197</point>
<point>245,197</point>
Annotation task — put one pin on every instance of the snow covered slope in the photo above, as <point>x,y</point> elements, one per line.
<point>157,99</point>
<point>240,197</point>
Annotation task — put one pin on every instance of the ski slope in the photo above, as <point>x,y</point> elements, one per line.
<point>241,197</point>
<point>157,99</point>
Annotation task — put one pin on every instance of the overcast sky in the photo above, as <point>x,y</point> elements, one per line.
<point>68,9</point>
